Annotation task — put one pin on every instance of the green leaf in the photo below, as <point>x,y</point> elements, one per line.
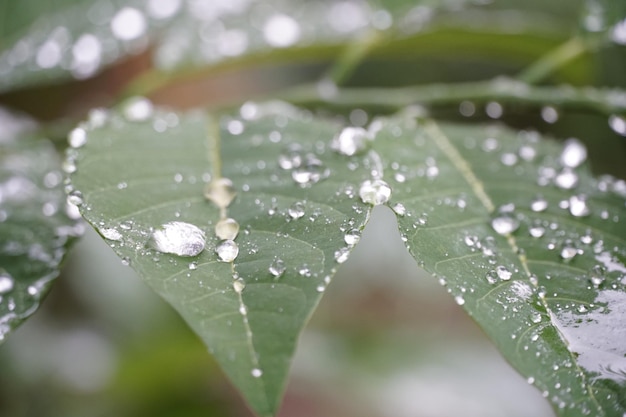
<point>35,230</point>
<point>136,176</point>
<point>536,259</point>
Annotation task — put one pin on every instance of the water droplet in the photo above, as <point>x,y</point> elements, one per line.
<point>578,206</point>
<point>537,231</point>
<point>110,233</point>
<point>535,317</point>
<point>375,192</point>
<point>227,251</point>
<point>291,158</point>
<point>530,380</point>
<point>342,255</point>
<point>503,225</point>
<point>568,252</point>
<point>618,123</point>
<point>138,109</point>
<point>494,110</point>
<point>128,24</point>
<point>492,277</point>
<point>549,114</point>
<point>574,153</point>
<point>399,209</point>
<point>352,237</point>
<point>277,268</point>
<point>296,210</point>
<point>178,238</point>
<point>256,372</point>
<point>239,285</point>
<point>310,172</point>
<point>281,31</point>
<point>77,137</point>
<point>227,229</point>
<point>220,191</point>
<point>6,282</point>
<point>539,204</point>
<point>193,266</point>
<point>459,300</point>
<point>350,141</point>
<point>503,273</point>
<point>566,179</point>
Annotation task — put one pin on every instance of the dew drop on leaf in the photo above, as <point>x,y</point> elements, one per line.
<point>75,197</point>
<point>77,137</point>
<point>617,123</point>
<point>566,179</point>
<point>311,171</point>
<point>296,210</point>
<point>350,141</point>
<point>574,153</point>
<point>6,282</point>
<point>568,252</point>
<point>178,238</point>
<point>375,192</point>
<point>503,225</point>
<point>277,268</point>
<point>537,231</point>
<point>539,204</point>
<point>256,372</point>
<point>291,158</point>
<point>138,109</point>
<point>227,229</point>
<point>578,206</point>
<point>341,255</point>
<point>459,300</point>
<point>399,209</point>
<point>239,285</point>
<point>503,273</point>
<point>110,233</point>
<point>352,237</point>
<point>227,250</point>
<point>220,191</point>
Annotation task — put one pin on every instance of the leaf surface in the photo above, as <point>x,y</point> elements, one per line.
<point>35,230</point>
<point>525,239</point>
<point>136,176</point>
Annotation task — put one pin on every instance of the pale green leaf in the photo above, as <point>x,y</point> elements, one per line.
<point>35,231</point>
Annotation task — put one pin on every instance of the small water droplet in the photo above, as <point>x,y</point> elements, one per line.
<point>77,137</point>
<point>178,238</point>
<point>568,252</point>
<point>75,197</point>
<point>539,204</point>
<point>350,141</point>
<point>535,317</point>
<point>618,123</point>
<point>574,153</point>
<point>239,285</point>
<point>375,192</point>
<point>296,210</point>
<point>549,114</point>
<point>193,266</point>
<point>537,231</point>
<point>503,225</point>
<point>256,372</point>
<point>110,233</point>
<point>128,24</point>
<point>277,267</point>
<point>6,282</point>
<point>227,229</point>
<point>138,109</point>
<point>352,237</point>
<point>227,250</point>
<point>220,191</point>
<point>342,255</point>
<point>291,158</point>
<point>566,179</point>
<point>311,171</point>
<point>281,31</point>
<point>492,277</point>
<point>459,300</point>
<point>399,209</point>
<point>503,273</point>
<point>578,206</point>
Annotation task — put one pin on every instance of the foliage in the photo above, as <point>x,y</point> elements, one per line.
<point>239,216</point>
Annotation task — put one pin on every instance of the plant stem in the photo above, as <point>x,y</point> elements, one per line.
<point>606,102</point>
<point>555,59</point>
<point>352,55</point>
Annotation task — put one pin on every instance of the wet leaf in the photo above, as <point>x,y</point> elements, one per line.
<point>523,237</point>
<point>528,243</point>
<point>249,293</point>
<point>35,230</point>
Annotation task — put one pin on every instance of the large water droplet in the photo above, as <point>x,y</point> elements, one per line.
<point>578,206</point>
<point>566,179</point>
<point>574,153</point>
<point>220,191</point>
<point>375,192</point>
<point>178,238</point>
<point>296,210</point>
<point>227,251</point>
<point>6,282</point>
<point>227,229</point>
<point>503,273</point>
<point>277,268</point>
<point>281,31</point>
<point>110,233</point>
<point>128,24</point>
<point>503,225</point>
<point>568,252</point>
<point>350,141</point>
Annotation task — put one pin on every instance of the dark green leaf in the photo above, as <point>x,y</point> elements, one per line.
<point>35,230</point>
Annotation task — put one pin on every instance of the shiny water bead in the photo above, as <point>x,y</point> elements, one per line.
<point>578,206</point>
<point>178,238</point>
<point>352,237</point>
<point>296,210</point>
<point>239,285</point>
<point>539,204</point>
<point>311,171</point>
<point>277,268</point>
<point>350,141</point>
<point>110,233</point>
<point>504,225</point>
<point>227,251</point>
<point>375,192</point>
<point>221,192</point>
<point>77,137</point>
<point>574,153</point>
<point>227,229</point>
<point>503,273</point>
<point>6,282</point>
<point>138,109</point>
